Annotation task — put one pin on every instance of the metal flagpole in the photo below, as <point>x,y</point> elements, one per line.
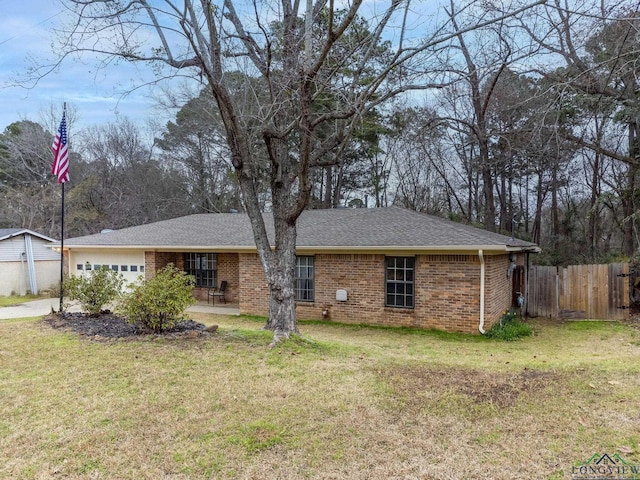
<point>64,114</point>
<point>62,249</point>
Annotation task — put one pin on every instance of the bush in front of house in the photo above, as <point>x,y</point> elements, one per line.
<point>159,302</point>
<point>95,290</point>
<point>510,327</point>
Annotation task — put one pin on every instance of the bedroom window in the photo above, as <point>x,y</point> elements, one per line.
<point>203,266</point>
<point>400,282</point>
<point>304,283</point>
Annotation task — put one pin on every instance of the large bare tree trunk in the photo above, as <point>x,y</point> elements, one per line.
<point>282,301</point>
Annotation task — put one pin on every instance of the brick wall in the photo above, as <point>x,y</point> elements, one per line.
<point>447,291</point>
<point>498,291</point>
<point>154,261</point>
<point>254,292</point>
<point>228,269</point>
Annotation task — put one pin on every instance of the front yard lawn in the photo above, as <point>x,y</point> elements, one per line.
<point>15,300</point>
<point>343,402</point>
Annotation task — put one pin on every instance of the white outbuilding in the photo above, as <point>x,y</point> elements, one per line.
<point>28,264</point>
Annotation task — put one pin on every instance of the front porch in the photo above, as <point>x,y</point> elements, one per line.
<point>208,268</point>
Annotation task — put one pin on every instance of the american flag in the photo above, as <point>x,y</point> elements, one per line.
<point>60,166</point>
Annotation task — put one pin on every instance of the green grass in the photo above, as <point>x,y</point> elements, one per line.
<point>340,401</point>
<point>14,300</point>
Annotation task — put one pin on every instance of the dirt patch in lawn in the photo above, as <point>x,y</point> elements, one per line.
<point>418,385</point>
<point>108,326</point>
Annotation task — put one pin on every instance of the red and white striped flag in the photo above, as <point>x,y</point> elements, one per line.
<point>60,166</point>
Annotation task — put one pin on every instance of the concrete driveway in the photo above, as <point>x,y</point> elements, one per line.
<point>35,308</point>
<point>43,306</point>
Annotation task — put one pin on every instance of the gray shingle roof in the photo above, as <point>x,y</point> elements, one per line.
<point>350,229</point>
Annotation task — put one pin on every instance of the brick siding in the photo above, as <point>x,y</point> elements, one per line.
<point>228,269</point>
<point>447,291</point>
<point>254,292</point>
<point>499,289</point>
<point>154,261</point>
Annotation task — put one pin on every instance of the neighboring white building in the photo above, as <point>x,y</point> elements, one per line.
<point>27,262</point>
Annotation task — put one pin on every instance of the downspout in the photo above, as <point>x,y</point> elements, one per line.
<point>481,326</point>
<point>31,266</point>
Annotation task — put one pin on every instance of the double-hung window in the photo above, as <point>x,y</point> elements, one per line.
<point>203,266</point>
<point>304,284</point>
<point>400,282</point>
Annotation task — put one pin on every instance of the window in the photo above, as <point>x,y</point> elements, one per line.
<point>304,284</point>
<point>400,282</point>
<point>114,268</point>
<point>141,268</point>
<point>203,266</point>
<point>96,267</point>
<point>124,268</point>
<point>87,267</point>
<point>79,266</point>
<point>134,268</point>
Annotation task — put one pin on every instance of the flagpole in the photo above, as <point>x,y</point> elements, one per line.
<point>62,250</point>
<point>60,168</point>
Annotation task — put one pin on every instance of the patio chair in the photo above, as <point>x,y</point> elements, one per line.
<point>217,292</point>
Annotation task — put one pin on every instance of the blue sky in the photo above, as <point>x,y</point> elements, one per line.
<point>95,95</point>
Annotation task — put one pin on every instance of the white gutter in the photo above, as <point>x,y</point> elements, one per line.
<point>481,326</point>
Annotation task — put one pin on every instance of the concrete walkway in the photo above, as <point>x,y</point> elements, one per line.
<point>229,309</point>
<point>43,306</point>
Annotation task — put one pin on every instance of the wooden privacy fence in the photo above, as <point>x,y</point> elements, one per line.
<point>579,291</point>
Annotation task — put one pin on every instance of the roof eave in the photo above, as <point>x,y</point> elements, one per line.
<point>426,249</point>
<point>435,249</point>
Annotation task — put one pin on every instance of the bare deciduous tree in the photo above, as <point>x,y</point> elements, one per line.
<point>297,68</point>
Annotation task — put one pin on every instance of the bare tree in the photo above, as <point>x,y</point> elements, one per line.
<point>29,199</point>
<point>297,67</point>
<point>117,182</point>
<point>599,47</point>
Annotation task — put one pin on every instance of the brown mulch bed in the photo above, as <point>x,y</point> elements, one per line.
<point>108,326</point>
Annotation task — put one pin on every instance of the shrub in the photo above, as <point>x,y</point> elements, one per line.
<point>95,290</point>
<point>510,327</point>
<point>159,303</point>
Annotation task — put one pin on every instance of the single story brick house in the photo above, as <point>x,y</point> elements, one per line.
<point>27,262</point>
<point>379,266</point>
